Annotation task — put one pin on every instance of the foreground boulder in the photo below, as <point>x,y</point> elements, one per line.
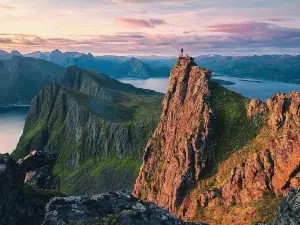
<point>12,175</point>
<point>109,208</point>
<point>10,185</point>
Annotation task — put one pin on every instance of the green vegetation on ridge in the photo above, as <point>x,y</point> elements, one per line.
<point>232,129</point>
<point>98,126</point>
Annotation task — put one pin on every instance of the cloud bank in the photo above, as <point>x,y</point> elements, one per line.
<point>240,37</point>
<point>140,23</point>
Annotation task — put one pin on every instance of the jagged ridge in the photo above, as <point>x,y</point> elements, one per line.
<point>97,125</point>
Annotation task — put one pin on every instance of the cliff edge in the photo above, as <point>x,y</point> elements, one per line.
<point>218,157</point>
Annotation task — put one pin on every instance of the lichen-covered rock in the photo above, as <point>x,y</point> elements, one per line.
<point>108,208</point>
<point>43,178</point>
<point>40,170</point>
<point>179,150</point>
<point>289,209</point>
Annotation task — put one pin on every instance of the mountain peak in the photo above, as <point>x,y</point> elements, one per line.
<point>3,53</point>
<point>15,52</point>
<point>90,54</point>
<point>181,160</point>
<point>134,60</point>
<point>216,151</point>
<point>56,51</point>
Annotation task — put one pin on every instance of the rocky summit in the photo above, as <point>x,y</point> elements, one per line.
<point>108,208</point>
<point>217,156</point>
<point>179,150</point>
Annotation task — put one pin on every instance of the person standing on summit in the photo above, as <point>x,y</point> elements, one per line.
<point>181,52</point>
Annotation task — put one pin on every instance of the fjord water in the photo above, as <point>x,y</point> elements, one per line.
<point>260,89</point>
<point>12,121</point>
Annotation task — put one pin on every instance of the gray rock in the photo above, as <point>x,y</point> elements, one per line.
<point>10,185</point>
<point>12,176</point>
<point>289,209</point>
<point>108,208</point>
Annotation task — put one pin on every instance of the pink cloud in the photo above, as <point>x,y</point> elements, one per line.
<point>5,6</point>
<point>255,31</point>
<point>150,23</point>
<point>245,27</point>
<point>274,37</point>
<point>5,41</point>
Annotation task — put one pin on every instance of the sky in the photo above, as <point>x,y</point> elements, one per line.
<point>151,27</point>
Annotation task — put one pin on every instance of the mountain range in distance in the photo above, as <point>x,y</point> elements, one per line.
<point>114,66</point>
<point>285,68</point>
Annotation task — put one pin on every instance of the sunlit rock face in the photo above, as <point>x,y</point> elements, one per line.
<point>179,150</point>
<point>217,151</point>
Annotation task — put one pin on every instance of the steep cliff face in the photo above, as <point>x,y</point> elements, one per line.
<point>97,126</point>
<point>218,157</point>
<point>275,167</point>
<point>179,148</point>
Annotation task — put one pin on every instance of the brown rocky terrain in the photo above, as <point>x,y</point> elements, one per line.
<point>178,151</point>
<point>186,171</point>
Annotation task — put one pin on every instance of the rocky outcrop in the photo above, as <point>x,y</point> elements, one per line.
<point>206,156</point>
<point>256,108</point>
<point>43,178</point>
<point>108,208</point>
<point>179,150</point>
<point>289,209</point>
<point>96,125</point>
<point>12,175</point>
<point>10,186</point>
<point>274,169</point>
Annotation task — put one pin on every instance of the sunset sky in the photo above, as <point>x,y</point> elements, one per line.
<point>151,27</point>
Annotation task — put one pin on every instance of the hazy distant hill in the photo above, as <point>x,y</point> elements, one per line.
<point>115,66</point>
<point>284,68</point>
<point>22,78</point>
<point>9,55</point>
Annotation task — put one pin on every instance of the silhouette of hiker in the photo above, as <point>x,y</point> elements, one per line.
<point>182,52</point>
